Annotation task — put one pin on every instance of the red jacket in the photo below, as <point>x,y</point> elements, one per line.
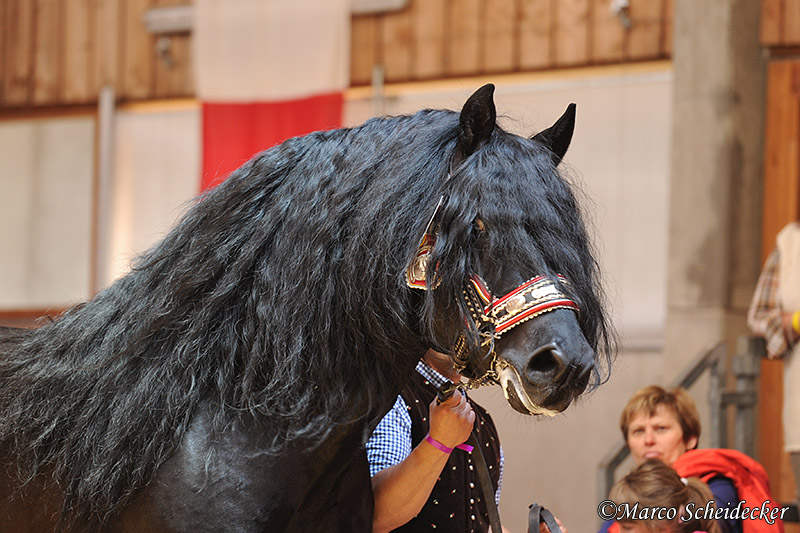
<point>747,475</point>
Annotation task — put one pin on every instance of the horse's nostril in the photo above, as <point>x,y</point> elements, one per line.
<point>547,361</point>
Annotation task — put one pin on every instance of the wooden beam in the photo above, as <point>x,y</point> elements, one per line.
<point>790,34</point>
<point>463,42</point>
<point>572,32</point>
<point>139,53</point>
<point>48,59</point>
<point>536,34</point>
<point>499,37</point>
<point>107,42</point>
<point>364,49</point>
<point>608,35</point>
<point>396,32</point>
<point>644,38</point>
<point>19,24</point>
<point>78,61</point>
<point>428,17</point>
<point>781,204</point>
<point>771,22</point>
<point>28,318</point>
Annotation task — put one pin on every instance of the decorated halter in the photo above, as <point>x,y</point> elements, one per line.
<point>491,317</point>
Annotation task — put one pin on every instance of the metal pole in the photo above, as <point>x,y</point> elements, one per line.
<point>104,189</point>
<point>378,96</point>
<point>746,369</point>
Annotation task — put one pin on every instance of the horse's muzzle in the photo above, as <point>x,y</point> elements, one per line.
<point>549,381</point>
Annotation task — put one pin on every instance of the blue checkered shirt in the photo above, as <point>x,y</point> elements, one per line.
<point>390,443</point>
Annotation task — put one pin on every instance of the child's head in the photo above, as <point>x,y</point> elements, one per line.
<point>654,485</point>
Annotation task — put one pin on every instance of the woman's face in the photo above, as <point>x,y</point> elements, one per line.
<point>657,437</point>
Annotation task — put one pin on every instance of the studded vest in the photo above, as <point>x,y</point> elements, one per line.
<point>455,504</point>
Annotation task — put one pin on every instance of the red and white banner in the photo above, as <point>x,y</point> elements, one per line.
<point>267,70</point>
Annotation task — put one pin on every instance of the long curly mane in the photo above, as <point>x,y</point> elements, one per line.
<point>281,294</point>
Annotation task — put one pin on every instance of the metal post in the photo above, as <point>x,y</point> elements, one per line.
<point>746,369</point>
<point>104,189</point>
<point>378,96</point>
<point>718,423</point>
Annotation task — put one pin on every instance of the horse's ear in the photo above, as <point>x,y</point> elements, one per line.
<point>477,120</point>
<point>558,136</point>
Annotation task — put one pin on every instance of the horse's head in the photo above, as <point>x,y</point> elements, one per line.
<point>511,284</point>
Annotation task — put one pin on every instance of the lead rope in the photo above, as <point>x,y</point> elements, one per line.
<point>484,480</point>
<point>485,483</point>
<point>539,514</point>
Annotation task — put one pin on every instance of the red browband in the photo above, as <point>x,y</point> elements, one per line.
<point>533,298</point>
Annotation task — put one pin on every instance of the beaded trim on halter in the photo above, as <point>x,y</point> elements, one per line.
<point>531,299</point>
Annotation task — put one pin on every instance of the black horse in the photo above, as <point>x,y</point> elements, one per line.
<point>231,379</point>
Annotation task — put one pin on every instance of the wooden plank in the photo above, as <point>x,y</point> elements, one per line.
<point>396,32</point>
<point>644,37</point>
<point>28,318</point>
<point>668,28</point>
<point>19,24</point>
<point>173,78</point>
<point>791,25</point>
<point>429,29</point>
<point>463,38</point>
<point>78,50</point>
<point>536,32</point>
<point>572,32</point>
<point>138,53</point>
<point>608,34</point>
<point>173,74</point>
<point>107,43</point>
<point>499,37</point>
<point>771,22</point>
<point>364,48</point>
<point>4,23</point>
<point>781,203</point>
<point>48,53</point>
<point>782,149</point>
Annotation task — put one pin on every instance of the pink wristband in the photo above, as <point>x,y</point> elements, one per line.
<point>439,446</point>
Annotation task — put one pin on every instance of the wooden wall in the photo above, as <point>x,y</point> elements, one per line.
<point>448,38</point>
<point>60,52</point>
<point>780,23</point>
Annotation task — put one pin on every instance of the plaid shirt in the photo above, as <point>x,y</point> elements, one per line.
<point>765,316</point>
<point>390,442</point>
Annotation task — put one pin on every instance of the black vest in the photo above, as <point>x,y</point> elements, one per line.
<point>456,503</point>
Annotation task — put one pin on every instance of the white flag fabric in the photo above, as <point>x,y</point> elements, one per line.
<point>267,70</point>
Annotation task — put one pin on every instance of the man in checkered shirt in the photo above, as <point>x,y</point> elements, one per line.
<point>420,480</point>
<point>775,315</point>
